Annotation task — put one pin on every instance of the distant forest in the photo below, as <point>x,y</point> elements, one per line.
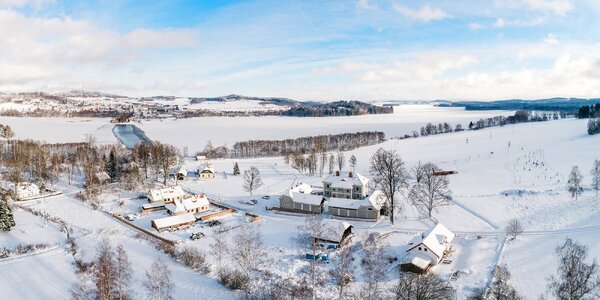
<point>570,105</point>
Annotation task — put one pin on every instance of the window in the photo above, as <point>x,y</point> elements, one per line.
<point>425,249</point>
<point>419,248</point>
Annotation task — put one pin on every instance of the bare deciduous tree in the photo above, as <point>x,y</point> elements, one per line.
<point>427,286</point>
<point>574,183</point>
<point>158,281</point>
<point>389,175</point>
<point>331,163</point>
<point>514,228</point>
<point>312,227</point>
<point>374,266</point>
<point>595,172</point>
<point>500,288</point>
<point>104,275</point>
<point>432,190</point>
<point>417,171</point>
<point>343,269</point>
<point>341,160</point>
<point>353,162</point>
<point>575,278</point>
<point>165,157</point>
<point>122,275</point>
<point>252,180</point>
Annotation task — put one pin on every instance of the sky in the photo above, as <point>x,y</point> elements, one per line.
<point>305,50</point>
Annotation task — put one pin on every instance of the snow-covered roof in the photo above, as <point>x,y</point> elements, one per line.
<point>374,200</point>
<point>188,203</point>
<point>206,166</point>
<point>102,176</point>
<point>182,170</point>
<point>306,198</point>
<point>333,230</point>
<point>435,239</point>
<point>418,259</point>
<point>302,187</point>
<point>174,220</point>
<point>152,205</point>
<point>166,193</point>
<point>346,180</point>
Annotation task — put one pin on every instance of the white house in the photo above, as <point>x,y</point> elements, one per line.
<point>181,174</point>
<point>428,249</point>
<point>206,171</point>
<point>165,195</point>
<point>349,185</point>
<point>189,204</point>
<point>302,199</point>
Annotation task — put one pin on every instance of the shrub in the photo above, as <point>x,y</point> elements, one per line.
<point>194,259</point>
<point>233,279</point>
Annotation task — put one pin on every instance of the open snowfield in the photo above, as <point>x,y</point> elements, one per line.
<point>503,172</point>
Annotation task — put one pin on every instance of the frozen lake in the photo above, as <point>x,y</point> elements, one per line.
<point>196,132</point>
<point>130,135</point>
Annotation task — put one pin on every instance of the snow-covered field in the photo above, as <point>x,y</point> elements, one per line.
<point>516,171</point>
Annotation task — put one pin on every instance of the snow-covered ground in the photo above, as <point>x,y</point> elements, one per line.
<point>506,172</point>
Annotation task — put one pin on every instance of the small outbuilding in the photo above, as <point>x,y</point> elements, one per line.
<point>334,233</point>
<point>173,222</point>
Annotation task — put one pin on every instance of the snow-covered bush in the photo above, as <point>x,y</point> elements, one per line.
<point>234,279</point>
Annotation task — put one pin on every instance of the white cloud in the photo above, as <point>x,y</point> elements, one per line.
<point>22,3</point>
<point>551,39</point>
<point>424,14</point>
<point>365,5</point>
<point>558,7</point>
<point>476,26</point>
<point>501,22</point>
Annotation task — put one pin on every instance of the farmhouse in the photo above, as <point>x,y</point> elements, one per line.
<point>334,233</point>
<point>206,171</point>
<point>428,249</point>
<point>301,199</point>
<point>348,185</point>
<point>189,204</point>
<point>24,191</point>
<point>165,195</point>
<point>173,222</point>
<point>368,208</point>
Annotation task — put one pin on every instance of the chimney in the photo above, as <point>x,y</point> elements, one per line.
<point>350,174</point>
<point>337,173</point>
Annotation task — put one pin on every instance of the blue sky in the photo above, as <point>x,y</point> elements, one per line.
<point>307,50</point>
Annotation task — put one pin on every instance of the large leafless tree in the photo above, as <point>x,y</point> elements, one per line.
<point>374,266</point>
<point>389,175</point>
<point>252,180</point>
<point>575,278</point>
<point>429,286</point>
<point>431,190</point>
<point>312,227</point>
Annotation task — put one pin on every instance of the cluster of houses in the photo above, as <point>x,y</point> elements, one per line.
<point>26,191</point>
<point>205,171</point>
<point>182,207</point>
<point>345,193</point>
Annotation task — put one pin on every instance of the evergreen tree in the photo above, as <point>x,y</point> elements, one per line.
<point>111,165</point>
<point>7,221</point>
<point>236,169</point>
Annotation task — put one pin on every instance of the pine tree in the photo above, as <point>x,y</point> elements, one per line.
<point>236,169</point>
<point>7,221</point>
<point>111,165</point>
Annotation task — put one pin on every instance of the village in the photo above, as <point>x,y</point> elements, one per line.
<point>310,224</point>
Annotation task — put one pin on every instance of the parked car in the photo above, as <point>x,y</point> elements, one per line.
<point>249,202</point>
<point>214,223</point>
<point>197,236</point>
<point>267,197</point>
<point>130,217</point>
